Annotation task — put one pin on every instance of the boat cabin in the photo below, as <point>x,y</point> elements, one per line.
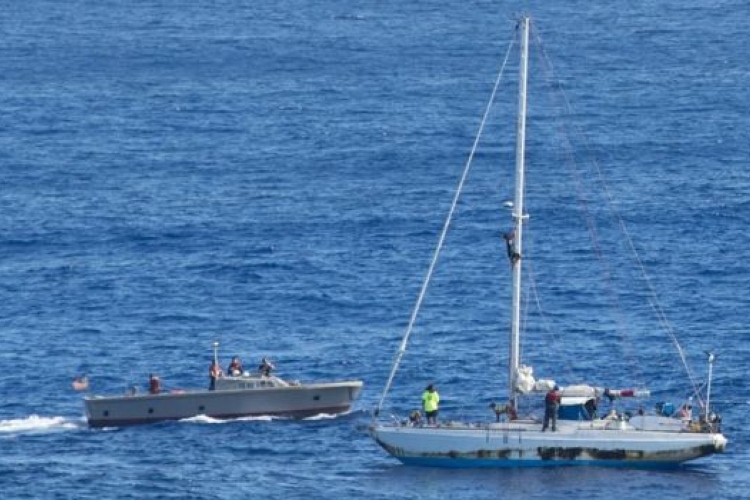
<point>577,408</point>
<point>249,381</point>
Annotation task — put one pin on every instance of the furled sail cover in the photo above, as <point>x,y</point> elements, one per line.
<point>525,382</point>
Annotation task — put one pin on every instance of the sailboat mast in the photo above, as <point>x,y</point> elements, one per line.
<point>518,214</point>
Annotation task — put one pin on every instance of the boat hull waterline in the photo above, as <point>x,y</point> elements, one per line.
<point>297,401</point>
<point>525,445</point>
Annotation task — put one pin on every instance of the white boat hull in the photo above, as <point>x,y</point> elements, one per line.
<point>521,444</point>
<point>296,401</point>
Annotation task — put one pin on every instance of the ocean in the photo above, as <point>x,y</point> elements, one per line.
<point>274,177</point>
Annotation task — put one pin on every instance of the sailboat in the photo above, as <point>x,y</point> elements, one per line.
<point>643,441</point>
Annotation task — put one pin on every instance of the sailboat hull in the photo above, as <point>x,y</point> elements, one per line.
<point>524,445</point>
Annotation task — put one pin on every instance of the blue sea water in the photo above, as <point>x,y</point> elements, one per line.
<point>274,177</point>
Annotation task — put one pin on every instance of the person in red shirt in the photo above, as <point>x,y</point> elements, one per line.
<point>551,405</point>
<point>154,384</point>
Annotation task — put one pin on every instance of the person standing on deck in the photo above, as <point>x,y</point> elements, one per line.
<point>235,367</point>
<point>265,367</point>
<point>430,402</point>
<point>214,372</point>
<point>154,384</point>
<point>551,405</point>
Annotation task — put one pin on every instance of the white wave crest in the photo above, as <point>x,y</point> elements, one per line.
<point>203,419</point>
<point>262,418</point>
<point>325,416</point>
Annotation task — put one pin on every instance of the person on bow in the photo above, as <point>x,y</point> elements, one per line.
<point>551,405</point>
<point>214,373</point>
<point>430,403</point>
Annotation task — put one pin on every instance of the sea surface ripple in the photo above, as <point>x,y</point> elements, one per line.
<point>274,177</point>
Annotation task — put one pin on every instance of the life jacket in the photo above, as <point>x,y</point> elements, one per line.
<point>430,401</point>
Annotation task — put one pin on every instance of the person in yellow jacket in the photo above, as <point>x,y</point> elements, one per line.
<point>430,401</point>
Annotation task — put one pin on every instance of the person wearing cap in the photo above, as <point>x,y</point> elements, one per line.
<point>551,405</point>
<point>430,402</point>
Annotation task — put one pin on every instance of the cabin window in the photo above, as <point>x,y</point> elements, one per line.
<point>151,410</point>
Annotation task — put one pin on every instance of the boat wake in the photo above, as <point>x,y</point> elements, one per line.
<point>204,419</point>
<point>35,424</point>
<point>325,416</point>
<point>340,416</point>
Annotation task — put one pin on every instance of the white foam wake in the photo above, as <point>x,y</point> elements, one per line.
<point>324,416</point>
<point>203,419</point>
<point>35,424</point>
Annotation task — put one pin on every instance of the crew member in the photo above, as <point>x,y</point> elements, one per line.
<point>214,373</point>
<point>154,384</point>
<point>265,367</point>
<point>551,405</point>
<point>235,367</point>
<point>430,402</point>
